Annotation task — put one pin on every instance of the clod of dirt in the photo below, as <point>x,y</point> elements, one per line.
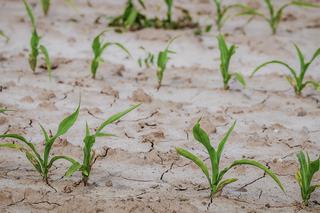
<point>108,90</point>
<point>108,183</point>
<point>27,99</point>
<point>153,137</point>
<point>48,105</point>
<point>46,95</point>
<point>3,120</point>
<point>301,112</point>
<point>140,95</point>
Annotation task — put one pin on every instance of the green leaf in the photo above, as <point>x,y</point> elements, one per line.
<point>223,141</point>
<point>305,4</point>
<point>22,139</point>
<point>2,34</point>
<point>45,53</point>
<point>195,160</point>
<point>200,135</point>
<point>11,146</point>
<point>223,183</point>
<point>72,169</point>
<point>67,123</point>
<point>240,78</point>
<point>292,71</point>
<point>30,14</point>
<point>116,117</point>
<point>260,166</point>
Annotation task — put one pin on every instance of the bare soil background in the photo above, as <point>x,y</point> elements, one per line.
<point>141,171</point>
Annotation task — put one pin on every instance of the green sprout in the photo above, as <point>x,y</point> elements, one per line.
<point>45,6</point>
<point>169,4</point>
<point>132,19</point>
<point>305,175</point>
<point>89,156</point>
<point>222,12</point>
<point>226,54</point>
<point>296,79</point>
<point>98,47</point>
<point>215,179</point>
<point>43,163</point>
<point>3,35</point>
<point>36,48</point>
<point>148,61</point>
<point>275,16</point>
<point>131,16</point>
<point>162,61</point>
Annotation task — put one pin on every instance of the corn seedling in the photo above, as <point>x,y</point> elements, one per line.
<point>131,17</point>
<point>35,45</point>
<point>169,4</point>
<point>43,163</point>
<point>305,175</point>
<point>222,12</point>
<point>162,61</point>
<point>296,79</point>
<point>275,16</point>
<point>215,179</point>
<point>89,156</point>
<point>148,61</point>
<point>226,54</point>
<point>3,35</point>
<point>98,47</point>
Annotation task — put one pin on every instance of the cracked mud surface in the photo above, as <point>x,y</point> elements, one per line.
<point>140,170</point>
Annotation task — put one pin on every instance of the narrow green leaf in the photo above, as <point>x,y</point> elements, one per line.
<point>116,117</point>
<point>45,53</point>
<point>195,160</point>
<point>67,123</point>
<point>260,166</point>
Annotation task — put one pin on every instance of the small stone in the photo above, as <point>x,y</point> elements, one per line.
<point>109,183</point>
<point>140,95</point>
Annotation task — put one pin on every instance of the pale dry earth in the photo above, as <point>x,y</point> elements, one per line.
<point>141,171</point>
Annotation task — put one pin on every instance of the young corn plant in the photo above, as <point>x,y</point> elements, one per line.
<point>43,163</point>
<point>89,156</point>
<point>226,54</point>
<point>275,16</point>
<point>305,175</point>
<point>147,61</point>
<point>215,179</point>
<point>295,79</point>
<point>98,47</point>
<point>36,47</point>
<point>131,17</point>
<point>162,61</point>
<point>222,12</point>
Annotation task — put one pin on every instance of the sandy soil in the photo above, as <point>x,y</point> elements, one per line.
<point>141,171</point>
